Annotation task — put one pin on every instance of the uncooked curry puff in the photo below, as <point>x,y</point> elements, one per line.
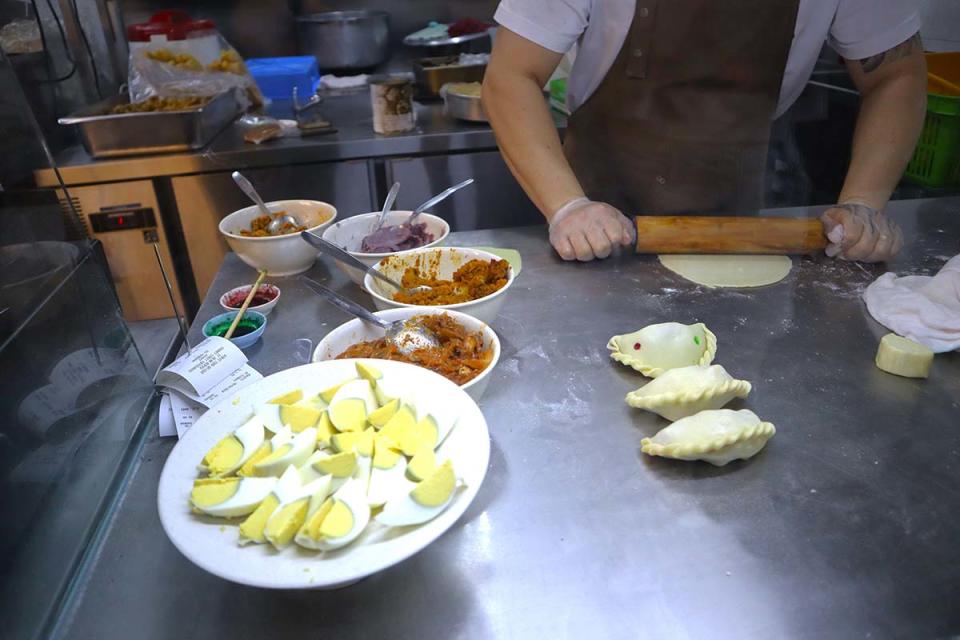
<point>682,392</point>
<point>717,437</point>
<point>660,347</point>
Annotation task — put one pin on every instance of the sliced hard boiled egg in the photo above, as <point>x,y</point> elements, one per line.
<point>300,416</point>
<point>344,442</point>
<point>387,389</point>
<point>251,529</point>
<point>422,464</point>
<point>351,405</point>
<point>287,398</point>
<point>382,416</point>
<point>339,465</point>
<point>293,453</point>
<point>291,512</point>
<point>368,372</point>
<point>386,475</point>
<point>364,449</point>
<point>325,429</point>
<point>229,497</point>
<point>269,415</point>
<point>338,521</point>
<point>399,426</point>
<point>231,452</point>
<point>327,394</point>
<point>281,438</point>
<point>425,502</point>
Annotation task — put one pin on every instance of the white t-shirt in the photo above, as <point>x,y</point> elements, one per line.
<point>856,29</point>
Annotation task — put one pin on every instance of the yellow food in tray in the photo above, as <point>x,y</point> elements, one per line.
<point>318,470</point>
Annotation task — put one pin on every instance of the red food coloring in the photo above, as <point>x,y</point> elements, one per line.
<point>636,346</point>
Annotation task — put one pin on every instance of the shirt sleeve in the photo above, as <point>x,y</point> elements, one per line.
<point>864,28</point>
<point>552,24</point>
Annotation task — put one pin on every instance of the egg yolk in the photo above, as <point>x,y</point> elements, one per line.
<point>251,529</point>
<point>381,416</point>
<point>299,417</point>
<point>344,442</point>
<point>325,429</point>
<point>436,489</point>
<point>262,452</point>
<point>349,414</point>
<point>403,421</point>
<point>270,459</point>
<point>422,464</point>
<point>368,372</point>
<point>340,465</point>
<point>365,443</point>
<point>327,394</point>
<point>312,527</point>
<point>208,492</point>
<point>288,398</point>
<point>224,455</point>
<point>385,456</point>
<point>283,524</point>
<point>339,521</point>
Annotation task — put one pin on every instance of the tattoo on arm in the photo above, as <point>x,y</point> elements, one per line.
<point>902,50</point>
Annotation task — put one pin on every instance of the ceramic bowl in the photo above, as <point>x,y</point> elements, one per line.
<point>349,232</point>
<point>447,261</point>
<point>242,292</point>
<point>243,341</point>
<point>354,331</point>
<point>284,255</point>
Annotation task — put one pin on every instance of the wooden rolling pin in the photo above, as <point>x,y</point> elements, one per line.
<point>717,234</point>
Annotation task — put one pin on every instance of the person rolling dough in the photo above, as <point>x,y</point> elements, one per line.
<point>672,104</point>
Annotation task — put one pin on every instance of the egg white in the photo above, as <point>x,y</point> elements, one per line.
<point>302,445</point>
<point>250,493</point>
<point>250,435</point>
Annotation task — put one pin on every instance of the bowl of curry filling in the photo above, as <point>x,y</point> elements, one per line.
<point>458,278</point>
<point>467,349</point>
<point>283,252</point>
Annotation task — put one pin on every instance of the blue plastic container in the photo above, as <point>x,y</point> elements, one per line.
<point>243,341</point>
<point>277,77</point>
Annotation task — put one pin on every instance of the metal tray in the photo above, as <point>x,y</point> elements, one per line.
<point>432,73</point>
<point>463,107</point>
<point>108,135</point>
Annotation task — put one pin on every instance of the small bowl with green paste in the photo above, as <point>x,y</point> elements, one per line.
<point>247,332</point>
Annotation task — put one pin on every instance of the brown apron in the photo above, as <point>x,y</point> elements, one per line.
<point>681,122</point>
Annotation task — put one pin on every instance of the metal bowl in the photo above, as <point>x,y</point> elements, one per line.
<point>462,106</point>
<point>345,39</point>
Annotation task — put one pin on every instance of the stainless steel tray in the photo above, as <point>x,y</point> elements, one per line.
<point>109,135</point>
<point>432,73</point>
<point>463,107</point>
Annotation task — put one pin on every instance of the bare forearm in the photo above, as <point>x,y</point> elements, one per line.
<point>891,117</point>
<point>529,141</point>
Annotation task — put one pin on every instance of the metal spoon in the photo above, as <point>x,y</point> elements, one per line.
<point>276,224</point>
<point>337,253</point>
<point>387,205</point>
<point>437,199</point>
<point>406,337</point>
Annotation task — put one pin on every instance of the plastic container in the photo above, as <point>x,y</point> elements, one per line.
<point>277,77</point>
<point>936,160</point>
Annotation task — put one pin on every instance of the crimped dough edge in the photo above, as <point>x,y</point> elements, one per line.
<point>740,389</point>
<point>764,430</point>
<point>709,352</point>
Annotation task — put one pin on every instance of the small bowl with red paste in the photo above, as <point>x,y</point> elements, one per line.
<point>264,300</point>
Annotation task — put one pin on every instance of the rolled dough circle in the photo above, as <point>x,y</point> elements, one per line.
<point>729,271</point>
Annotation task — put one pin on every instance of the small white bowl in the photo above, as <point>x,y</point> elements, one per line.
<point>448,260</point>
<point>284,255</point>
<point>354,331</point>
<point>350,232</point>
<point>264,308</point>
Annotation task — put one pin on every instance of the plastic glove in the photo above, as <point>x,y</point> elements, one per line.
<point>857,231</point>
<point>584,230</point>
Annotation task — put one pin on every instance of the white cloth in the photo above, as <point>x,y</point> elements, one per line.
<point>924,309</point>
<point>857,29</point>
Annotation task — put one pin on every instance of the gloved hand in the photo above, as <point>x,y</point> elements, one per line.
<point>859,232</point>
<point>584,230</point>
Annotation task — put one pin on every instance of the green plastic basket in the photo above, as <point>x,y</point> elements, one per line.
<point>936,160</point>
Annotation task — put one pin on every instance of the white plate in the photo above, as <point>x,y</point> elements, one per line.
<point>211,543</point>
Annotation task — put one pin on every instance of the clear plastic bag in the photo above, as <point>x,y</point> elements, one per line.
<point>195,67</point>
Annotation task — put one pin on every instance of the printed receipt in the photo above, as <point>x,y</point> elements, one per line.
<point>196,381</point>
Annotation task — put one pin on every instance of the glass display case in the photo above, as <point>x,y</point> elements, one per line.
<point>74,390</point>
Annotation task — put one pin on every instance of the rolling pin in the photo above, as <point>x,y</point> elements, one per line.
<point>718,234</point>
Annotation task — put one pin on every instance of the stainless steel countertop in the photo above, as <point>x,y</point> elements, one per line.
<point>354,139</point>
<point>846,525</point>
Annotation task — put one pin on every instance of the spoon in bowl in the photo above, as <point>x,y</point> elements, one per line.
<point>437,199</point>
<point>337,253</point>
<point>387,205</point>
<point>406,336</point>
<point>276,223</point>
